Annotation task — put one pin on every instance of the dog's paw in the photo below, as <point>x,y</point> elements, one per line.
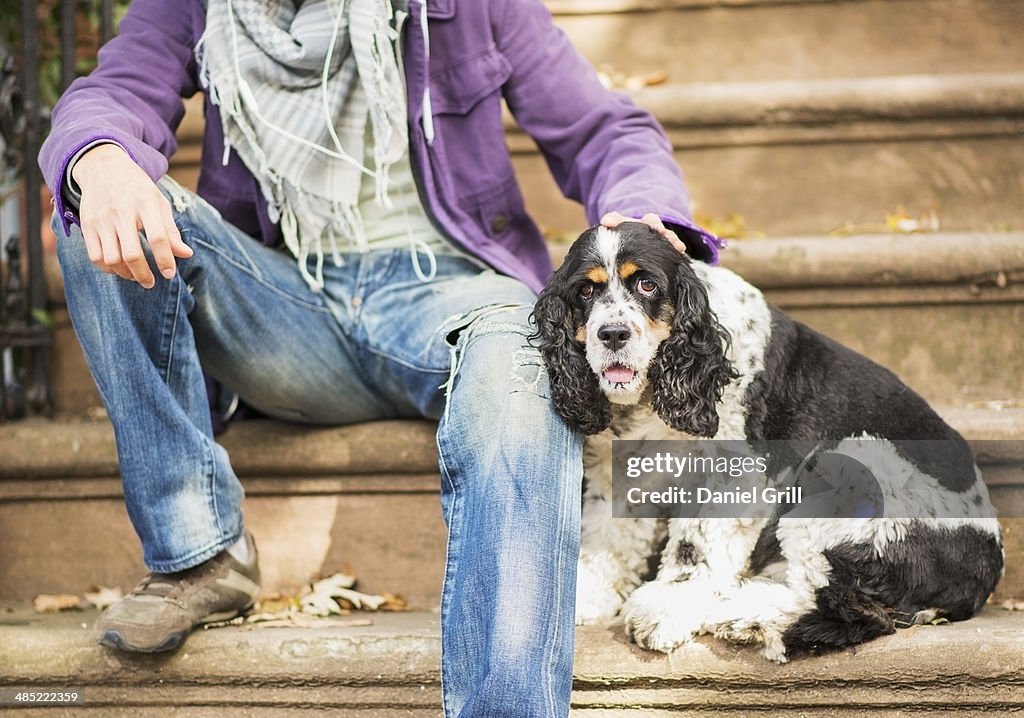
<point>596,600</point>
<point>752,630</point>
<point>756,612</point>
<point>593,611</point>
<point>657,616</point>
<point>774,649</point>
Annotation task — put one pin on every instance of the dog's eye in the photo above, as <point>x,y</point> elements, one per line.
<point>587,292</point>
<point>646,288</point>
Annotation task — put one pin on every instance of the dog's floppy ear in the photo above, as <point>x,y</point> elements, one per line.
<point>691,370</point>
<point>575,391</point>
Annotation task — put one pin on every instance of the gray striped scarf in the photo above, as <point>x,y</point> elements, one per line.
<point>295,88</point>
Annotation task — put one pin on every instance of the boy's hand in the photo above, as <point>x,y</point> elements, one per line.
<point>613,219</point>
<point>119,199</point>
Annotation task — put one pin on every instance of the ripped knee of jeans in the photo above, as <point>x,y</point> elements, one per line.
<point>529,373</point>
<point>508,321</point>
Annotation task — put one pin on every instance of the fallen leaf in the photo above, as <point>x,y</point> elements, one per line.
<point>326,597</point>
<point>335,594</point>
<point>54,603</point>
<point>335,581</point>
<point>101,596</point>
<point>277,603</point>
<point>732,226</point>
<point>321,604</point>
<point>898,222</point>
<point>360,601</point>
<point>613,79</point>
<point>393,603</point>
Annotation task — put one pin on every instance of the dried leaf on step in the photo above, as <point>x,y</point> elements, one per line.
<point>357,600</point>
<point>393,602</point>
<point>335,595</point>
<point>614,79</point>
<point>100,596</point>
<point>732,226</point>
<point>909,631</point>
<point>321,604</point>
<point>333,582</point>
<point>899,222</point>
<point>54,603</point>
<point>1012,605</point>
<point>276,602</point>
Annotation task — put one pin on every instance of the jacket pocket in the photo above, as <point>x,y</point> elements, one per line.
<point>458,88</point>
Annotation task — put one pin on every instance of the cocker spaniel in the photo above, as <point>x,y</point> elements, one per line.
<point>642,343</point>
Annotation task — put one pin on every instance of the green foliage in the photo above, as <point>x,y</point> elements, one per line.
<point>48,13</point>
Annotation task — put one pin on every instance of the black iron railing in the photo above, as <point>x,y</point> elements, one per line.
<point>25,336</point>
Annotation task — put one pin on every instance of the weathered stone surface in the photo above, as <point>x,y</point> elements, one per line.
<point>752,40</point>
<point>61,505</point>
<point>67,449</point>
<point>393,665</point>
<point>819,182</point>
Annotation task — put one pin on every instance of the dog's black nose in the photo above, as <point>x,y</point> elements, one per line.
<point>613,336</point>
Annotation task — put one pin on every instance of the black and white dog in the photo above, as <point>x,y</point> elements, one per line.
<point>642,343</point>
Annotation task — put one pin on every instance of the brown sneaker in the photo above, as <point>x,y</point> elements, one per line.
<point>164,608</point>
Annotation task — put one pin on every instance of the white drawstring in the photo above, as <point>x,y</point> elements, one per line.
<point>249,98</point>
<point>428,115</point>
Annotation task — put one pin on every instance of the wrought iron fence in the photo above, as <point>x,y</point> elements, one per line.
<point>25,337</point>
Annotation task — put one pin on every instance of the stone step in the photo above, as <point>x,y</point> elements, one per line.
<point>906,301</point>
<point>937,309</point>
<point>813,155</point>
<point>362,498</point>
<point>753,40</point>
<point>802,157</point>
<point>390,668</point>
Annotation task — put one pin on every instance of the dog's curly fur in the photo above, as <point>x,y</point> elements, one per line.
<point>642,343</point>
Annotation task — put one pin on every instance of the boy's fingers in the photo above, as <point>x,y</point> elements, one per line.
<point>132,254</point>
<point>654,222</point>
<point>612,219</point>
<point>159,242</point>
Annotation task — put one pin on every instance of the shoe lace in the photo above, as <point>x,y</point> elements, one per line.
<point>160,585</point>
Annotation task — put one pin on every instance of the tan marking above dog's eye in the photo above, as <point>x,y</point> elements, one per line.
<point>628,269</point>
<point>597,275</point>
<point>646,287</point>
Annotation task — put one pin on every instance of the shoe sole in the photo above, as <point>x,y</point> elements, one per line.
<point>112,638</point>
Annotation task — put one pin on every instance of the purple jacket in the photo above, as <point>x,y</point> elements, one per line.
<point>602,150</point>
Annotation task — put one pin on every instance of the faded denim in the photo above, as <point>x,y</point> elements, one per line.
<point>376,343</point>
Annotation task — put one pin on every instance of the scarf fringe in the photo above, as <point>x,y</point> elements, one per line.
<point>311,223</point>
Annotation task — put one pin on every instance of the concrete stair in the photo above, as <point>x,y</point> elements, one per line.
<point>906,301</point>
<point>318,506</point>
<point>806,115</point>
<point>935,308</point>
<point>362,499</point>
<point>390,669</point>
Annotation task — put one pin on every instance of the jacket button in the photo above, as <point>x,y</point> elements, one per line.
<point>499,223</point>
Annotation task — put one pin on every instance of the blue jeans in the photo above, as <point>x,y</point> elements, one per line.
<point>376,343</point>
